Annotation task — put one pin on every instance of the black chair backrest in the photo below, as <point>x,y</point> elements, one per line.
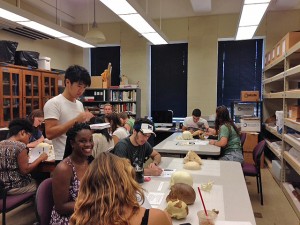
<point>257,152</point>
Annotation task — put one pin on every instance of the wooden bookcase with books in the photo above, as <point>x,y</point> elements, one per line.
<point>122,99</point>
<point>281,92</point>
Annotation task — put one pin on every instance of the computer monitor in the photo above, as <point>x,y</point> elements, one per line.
<point>162,118</point>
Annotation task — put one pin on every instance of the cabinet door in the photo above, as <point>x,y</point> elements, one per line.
<point>11,91</point>
<point>49,86</point>
<point>31,91</point>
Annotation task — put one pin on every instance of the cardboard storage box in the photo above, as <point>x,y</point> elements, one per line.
<point>96,82</point>
<point>249,96</point>
<point>44,63</point>
<point>244,109</point>
<point>289,40</point>
<point>250,142</point>
<point>61,80</point>
<point>294,112</point>
<point>251,124</point>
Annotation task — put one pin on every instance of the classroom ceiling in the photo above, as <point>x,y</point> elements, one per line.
<point>81,11</point>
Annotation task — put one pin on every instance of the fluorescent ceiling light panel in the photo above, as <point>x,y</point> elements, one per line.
<point>18,15</point>
<point>76,42</point>
<point>252,14</point>
<point>43,29</point>
<point>155,38</point>
<point>245,33</point>
<point>119,7</point>
<point>132,14</point>
<point>138,23</point>
<point>11,16</point>
<point>256,1</point>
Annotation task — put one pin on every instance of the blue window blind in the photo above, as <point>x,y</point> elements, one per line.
<point>239,69</point>
<point>169,78</point>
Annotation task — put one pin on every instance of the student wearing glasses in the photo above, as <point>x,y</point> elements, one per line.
<point>36,118</point>
<point>14,166</point>
<point>137,149</point>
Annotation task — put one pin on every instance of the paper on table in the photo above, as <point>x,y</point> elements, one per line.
<point>99,126</point>
<point>34,153</point>
<point>155,198</point>
<point>167,172</point>
<point>232,223</point>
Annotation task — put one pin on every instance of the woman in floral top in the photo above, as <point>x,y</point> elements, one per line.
<point>14,166</point>
<point>69,172</point>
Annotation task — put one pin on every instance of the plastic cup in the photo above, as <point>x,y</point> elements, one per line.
<point>210,219</point>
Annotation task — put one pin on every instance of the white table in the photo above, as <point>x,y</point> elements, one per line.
<point>173,145</point>
<point>229,193</point>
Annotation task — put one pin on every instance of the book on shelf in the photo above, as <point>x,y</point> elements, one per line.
<point>128,85</point>
<point>99,126</point>
<point>35,152</point>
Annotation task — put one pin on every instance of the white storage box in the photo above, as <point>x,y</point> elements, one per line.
<point>44,63</point>
<point>251,124</point>
<point>276,169</point>
<point>244,109</point>
<point>279,121</point>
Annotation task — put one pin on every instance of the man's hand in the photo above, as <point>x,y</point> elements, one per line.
<point>84,117</point>
<point>153,170</point>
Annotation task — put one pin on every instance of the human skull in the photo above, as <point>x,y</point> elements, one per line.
<point>186,135</point>
<point>177,209</point>
<point>182,192</point>
<point>191,156</point>
<point>181,177</point>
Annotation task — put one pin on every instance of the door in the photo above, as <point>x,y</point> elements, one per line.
<point>31,91</point>
<point>49,86</point>
<point>11,91</point>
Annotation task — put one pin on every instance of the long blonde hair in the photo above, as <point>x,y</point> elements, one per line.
<point>107,188</point>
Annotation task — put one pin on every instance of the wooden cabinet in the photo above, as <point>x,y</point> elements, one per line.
<point>23,90</point>
<point>122,99</point>
<point>281,90</point>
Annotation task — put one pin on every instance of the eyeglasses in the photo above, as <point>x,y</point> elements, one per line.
<point>28,133</point>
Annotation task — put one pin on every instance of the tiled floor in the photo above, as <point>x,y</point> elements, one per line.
<point>275,211</point>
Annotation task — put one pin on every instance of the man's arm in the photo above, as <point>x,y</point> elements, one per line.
<point>54,129</point>
<point>156,157</point>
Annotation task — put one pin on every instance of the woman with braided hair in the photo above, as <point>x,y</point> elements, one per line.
<point>109,195</point>
<point>69,172</point>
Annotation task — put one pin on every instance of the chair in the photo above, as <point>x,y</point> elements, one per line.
<point>10,202</point>
<point>243,138</point>
<point>44,202</point>
<point>253,170</point>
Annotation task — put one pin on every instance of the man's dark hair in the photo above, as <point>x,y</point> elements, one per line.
<point>196,112</point>
<point>78,74</point>
<point>18,124</point>
<point>138,122</point>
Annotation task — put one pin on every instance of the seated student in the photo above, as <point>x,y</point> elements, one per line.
<point>36,117</point>
<point>14,166</point>
<point>228,136</point>
<point>194,122</point>
<point>108,195</point>
<point>69,172</point>
<point>137,149</point>
<point>103,142</point>
<point>117,130</point>
<point>127,121</point>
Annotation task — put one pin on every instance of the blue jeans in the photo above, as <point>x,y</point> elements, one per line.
<point>234,155</point>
